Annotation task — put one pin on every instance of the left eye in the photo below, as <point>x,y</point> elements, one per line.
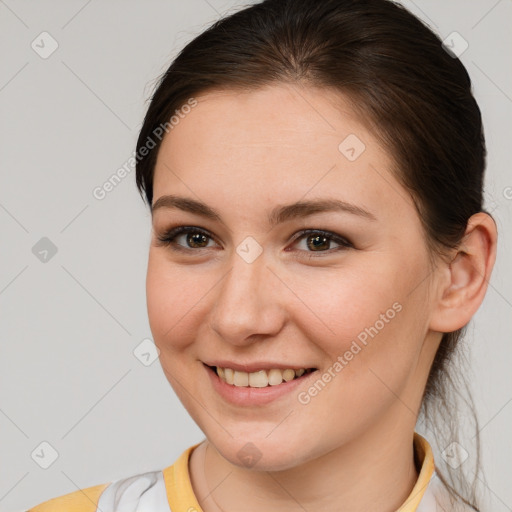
<point>317,239</point>
<point>197,238</point>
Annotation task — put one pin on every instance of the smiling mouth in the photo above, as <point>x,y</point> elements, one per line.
<point>261,378</point>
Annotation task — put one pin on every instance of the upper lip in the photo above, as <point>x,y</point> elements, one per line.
<point>254,367</point>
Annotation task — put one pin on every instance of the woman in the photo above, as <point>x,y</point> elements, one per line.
<point>314,172</point>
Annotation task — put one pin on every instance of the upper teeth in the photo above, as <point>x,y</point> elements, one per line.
<point>259,379</point>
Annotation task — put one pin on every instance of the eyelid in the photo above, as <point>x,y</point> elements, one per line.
<point>169,235</point>
<point>328,234</point>
<point>172,233</point>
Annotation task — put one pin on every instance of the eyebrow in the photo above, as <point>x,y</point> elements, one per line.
<point>278,215</point>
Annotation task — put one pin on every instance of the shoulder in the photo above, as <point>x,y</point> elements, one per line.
<point>83,500</point>
<point>145,491</point>
<point>444,502</point>
<point>150,491</point>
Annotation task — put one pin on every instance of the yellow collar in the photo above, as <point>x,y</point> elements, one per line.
<point>181,497</point>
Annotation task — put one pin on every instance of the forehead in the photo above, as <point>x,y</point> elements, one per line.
<point>281,141</point>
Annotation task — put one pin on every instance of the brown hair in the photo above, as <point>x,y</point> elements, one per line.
<point>412,92</point>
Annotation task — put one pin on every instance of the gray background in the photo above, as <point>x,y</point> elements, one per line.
<point>70,324</point>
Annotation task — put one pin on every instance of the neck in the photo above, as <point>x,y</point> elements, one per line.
<point>376,467</point>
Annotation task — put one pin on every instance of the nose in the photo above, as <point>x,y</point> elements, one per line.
<point>249,304</point>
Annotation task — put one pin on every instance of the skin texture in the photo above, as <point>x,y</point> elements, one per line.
<point>243,153</point>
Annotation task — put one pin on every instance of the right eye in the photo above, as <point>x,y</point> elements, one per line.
<point>193,235</point>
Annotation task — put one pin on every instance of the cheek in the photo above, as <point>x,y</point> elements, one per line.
<point>370,325</point>
<point>173,302</point>
<point>368,358</point>
<point>367,323</point>
<point>344,304</point>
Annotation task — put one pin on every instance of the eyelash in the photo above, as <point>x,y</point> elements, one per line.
<point>167,239</point>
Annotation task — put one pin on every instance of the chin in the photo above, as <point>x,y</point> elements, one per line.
<point>260,454</point>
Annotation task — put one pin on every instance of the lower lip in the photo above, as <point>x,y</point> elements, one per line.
<point>254,396</point>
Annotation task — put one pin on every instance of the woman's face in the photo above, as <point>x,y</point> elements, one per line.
<point>353,303</point>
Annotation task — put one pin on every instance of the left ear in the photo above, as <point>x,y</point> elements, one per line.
<point>466,277</point>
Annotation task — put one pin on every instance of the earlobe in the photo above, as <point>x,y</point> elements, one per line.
<point>468,275</point>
